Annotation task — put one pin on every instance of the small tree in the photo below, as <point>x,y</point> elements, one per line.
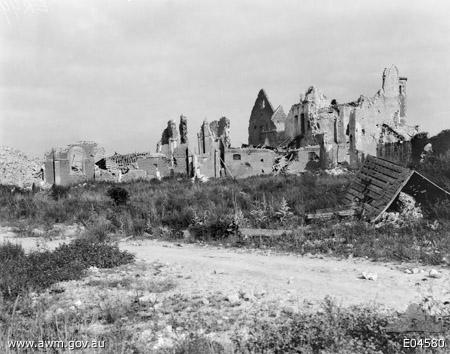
<point>284,212</point>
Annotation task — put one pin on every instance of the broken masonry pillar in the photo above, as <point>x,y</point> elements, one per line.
<point>224,131</point>
<point>183,130</point>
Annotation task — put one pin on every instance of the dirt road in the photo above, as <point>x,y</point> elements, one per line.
<point>290,279</point>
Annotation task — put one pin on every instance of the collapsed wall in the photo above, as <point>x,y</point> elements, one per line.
<point>169,159</point>
<point>128,167</point>
<point>350,131</point>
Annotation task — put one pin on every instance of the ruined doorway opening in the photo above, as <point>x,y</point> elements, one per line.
<point>76,157</point>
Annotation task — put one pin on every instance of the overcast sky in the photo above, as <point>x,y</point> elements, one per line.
<point>115,71</point>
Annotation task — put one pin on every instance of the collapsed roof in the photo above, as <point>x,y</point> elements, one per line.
<point>379,183</point>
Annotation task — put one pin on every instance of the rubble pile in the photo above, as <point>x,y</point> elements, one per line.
<point>337,171</point>
<point>18,169</point>
<point>408,212</point>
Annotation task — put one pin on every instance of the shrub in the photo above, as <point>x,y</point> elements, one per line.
<point>59,192</point>
<point>97,254</point>
<point>11,251</point>
<point>38,270</point>
<point>331,330</point>
<point>119,195</point>
<point>214,229</point>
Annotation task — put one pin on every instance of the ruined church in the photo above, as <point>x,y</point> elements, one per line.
<point>317,132</point>
<point>340,132</point>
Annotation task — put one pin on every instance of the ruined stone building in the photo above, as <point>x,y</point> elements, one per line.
<point>347,132</point>
<point>267,125</point>
<point>216,157</point>
<point>170,158</point>
<point>72,164</point>
<point>317,132</point>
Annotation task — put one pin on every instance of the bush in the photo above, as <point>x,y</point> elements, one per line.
<point>332,330</point>
<point>93,254</point>
<point>39,270</point>
<point>59,192</point>
<point>119,195</point>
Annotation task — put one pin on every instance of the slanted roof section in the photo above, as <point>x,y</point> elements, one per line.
<point>377,185</point>
<point>279,116</point>
<point>379,182</point>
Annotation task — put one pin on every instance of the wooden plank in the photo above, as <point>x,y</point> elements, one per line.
<point>386,164</point>
<point>372,187</point>
<point>329,215</point>
<point>356,194</point>
<point>372,210</point>
<point>374,167</point>
<point>362,196</point>
<point>366,179</point>
<point>347,212</point>
<point>383,170</point>
<point>348,199</point>
<point>394,195</point>
<point>367,194</point>
<point>378,175</point>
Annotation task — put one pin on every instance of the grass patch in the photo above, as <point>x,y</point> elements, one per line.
<point>334,329</point>
<point>20,272</point>
<point>422,242</point>
<point>138,207</point>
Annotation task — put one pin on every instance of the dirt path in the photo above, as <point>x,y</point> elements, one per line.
<point>289,279</point>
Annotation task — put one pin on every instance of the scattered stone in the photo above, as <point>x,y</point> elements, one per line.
<point>186,234</point>
<point>37,232</point>
<point>233,299</point>
<point>369,276</point>
<point>93,269</point>
<point>290,310</point>
<point>412,271</point>
<point>247,296</point>
<point>434,274</point>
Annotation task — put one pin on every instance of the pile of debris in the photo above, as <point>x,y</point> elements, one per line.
<point>337,171</point>
<point>18,169</point>
<point>283,164</point>
<point>407,211</point>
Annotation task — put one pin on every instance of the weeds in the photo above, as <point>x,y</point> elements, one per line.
<point>119,195</point>
<point>423,242</point>
<point>357,329</point>
<point>20,272</point>
<point>174,203</point>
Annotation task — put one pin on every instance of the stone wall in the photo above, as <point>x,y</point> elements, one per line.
<point>347,132</point>
<point>267,125</point>
<point>245,162</point>
<point>73,164</point>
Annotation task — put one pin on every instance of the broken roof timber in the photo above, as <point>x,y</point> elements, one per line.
<point>379,182</point>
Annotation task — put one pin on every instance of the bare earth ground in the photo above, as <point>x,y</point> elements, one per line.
<point>291,280</point>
